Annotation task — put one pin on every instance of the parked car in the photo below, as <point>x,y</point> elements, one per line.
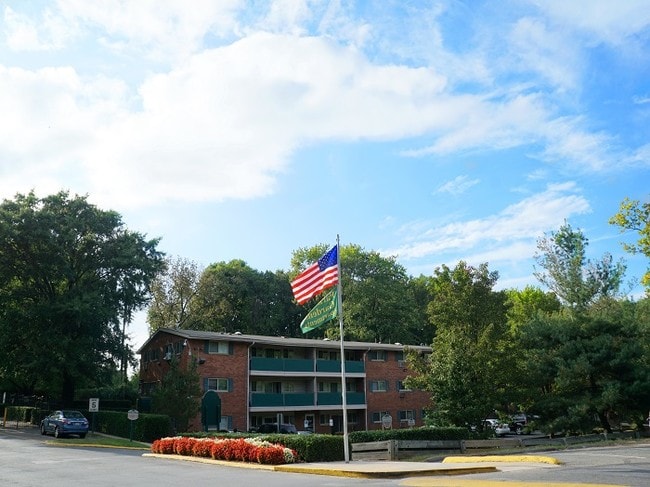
<point>521,423</point>
<point>65,422</point>
<point>499,428</point>
<point>286,428</point>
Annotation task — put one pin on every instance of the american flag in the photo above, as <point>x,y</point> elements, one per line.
<point>317,277</point>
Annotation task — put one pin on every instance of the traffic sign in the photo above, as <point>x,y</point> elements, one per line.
<point>93,404</point>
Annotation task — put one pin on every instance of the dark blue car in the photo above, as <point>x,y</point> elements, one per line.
<point>65,422</point>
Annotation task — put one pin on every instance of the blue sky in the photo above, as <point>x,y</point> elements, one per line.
<point>431,130</point>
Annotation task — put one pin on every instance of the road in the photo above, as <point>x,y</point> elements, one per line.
<point>27,461</point>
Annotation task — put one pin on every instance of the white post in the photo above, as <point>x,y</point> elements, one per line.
<point>346,447</point>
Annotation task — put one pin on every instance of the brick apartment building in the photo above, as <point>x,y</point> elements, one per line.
<point>264,379</point>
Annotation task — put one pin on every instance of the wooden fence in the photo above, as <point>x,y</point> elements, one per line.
<point>403,449</point>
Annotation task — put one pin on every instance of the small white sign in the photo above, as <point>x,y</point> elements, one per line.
<point>93,404</point>
<point>133,414</point>
<point>387,421</point>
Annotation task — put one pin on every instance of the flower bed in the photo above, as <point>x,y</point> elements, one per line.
<point>251,450</point>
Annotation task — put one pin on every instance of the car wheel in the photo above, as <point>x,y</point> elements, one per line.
<point>43,432</point>
<point>519,430</point>
<point>57,433</point>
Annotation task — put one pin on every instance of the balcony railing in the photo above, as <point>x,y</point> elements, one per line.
<point>304,399</point>
<point>351,366</point>
<point>282,364</point>
<point>334,398</point>
<point>304,365</point>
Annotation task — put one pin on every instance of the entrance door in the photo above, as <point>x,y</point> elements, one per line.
<point>309,422</point>
<point>211,411</point>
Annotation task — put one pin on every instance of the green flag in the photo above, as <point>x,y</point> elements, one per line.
<point>326,310</point>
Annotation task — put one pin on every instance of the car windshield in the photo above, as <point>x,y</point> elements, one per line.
<point>73,414</point>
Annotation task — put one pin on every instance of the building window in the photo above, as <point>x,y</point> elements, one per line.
<point>219,384</point>
<point>406,415</point>
<point>223,348</point>
<point>378,386</point>
<point>377,355</point>
<point>376,417</point>
<point>329,387</point>
<point>324,419</point>
<point>327,355</point>
<point>226,423</point>
<point>401,386</point>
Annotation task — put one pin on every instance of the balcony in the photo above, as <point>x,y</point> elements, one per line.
<point>334,398</point>
<point>282,364</point>
<point>351,366</point>
<point>281,400</point>
<point>258,400</point>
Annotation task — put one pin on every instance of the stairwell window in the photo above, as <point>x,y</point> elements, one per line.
<point>219,384</point>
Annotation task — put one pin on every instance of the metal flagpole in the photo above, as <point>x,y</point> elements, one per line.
<point>346,447</point>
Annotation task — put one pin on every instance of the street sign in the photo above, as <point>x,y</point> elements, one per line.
<point>93,404</point>
<point>133,414</point>
<point>387,421</point>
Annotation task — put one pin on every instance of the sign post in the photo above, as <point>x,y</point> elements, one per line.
<point>133,414</point>
<point>93,407</point>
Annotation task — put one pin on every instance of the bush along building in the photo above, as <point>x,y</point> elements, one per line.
<point>252,379</point>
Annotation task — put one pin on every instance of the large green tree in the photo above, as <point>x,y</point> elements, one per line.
<point>592,364</point>
<point>635,216</point>
<point>173,295</point>
<point>576,280</point>
<point>468,370</point>
<point>71,275</point>
<point>234,297</point>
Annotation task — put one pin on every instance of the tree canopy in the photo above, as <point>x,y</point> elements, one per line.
<point>70,276</point>
<point>468,371</point>
<point>635,216</point>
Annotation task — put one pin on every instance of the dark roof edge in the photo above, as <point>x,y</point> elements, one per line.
<point>280,341</point>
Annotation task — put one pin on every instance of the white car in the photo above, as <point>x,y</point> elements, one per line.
<point>499,428</point>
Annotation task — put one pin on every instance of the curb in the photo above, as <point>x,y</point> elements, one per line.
<point>384,474</point>
<point>504,459</point>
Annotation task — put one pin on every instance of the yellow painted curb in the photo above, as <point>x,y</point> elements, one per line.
<point>383,474</point>
<point>504,458</point>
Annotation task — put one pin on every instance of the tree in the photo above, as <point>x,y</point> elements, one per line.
<point>70,277</point>
<point>635,216</point>
<point>593,364</point>
<point>525,304</point>
<point>234,297</point>
<point>178,394</point>
<point>576,280</point>
<point>468,370</point>
<point>173,295</point>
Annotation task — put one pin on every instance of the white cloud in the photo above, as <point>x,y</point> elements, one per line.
<point>605,20</point>
<point>24,33</point>
<point>516,226</point>
<point>457,186</point>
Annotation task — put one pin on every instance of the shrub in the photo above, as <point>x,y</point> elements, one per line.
<point>239,449</point>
